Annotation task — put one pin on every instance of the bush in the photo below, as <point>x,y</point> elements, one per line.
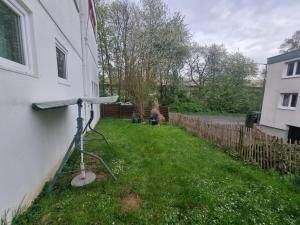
<point>187,107</point>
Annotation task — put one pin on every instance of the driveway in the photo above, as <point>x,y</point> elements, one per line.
<point>223,119</point>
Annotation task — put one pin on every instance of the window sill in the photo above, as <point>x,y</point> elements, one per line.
<point>290,77</point>
<point>64,82</point>
<point>16,68</point>
<point>287,108</point>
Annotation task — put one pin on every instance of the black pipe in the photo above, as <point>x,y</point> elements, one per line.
<point>88,125</point>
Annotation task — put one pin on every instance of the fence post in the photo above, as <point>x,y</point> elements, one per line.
<point>241,142</point>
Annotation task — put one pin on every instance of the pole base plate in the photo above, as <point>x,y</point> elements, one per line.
<point>79,182</point>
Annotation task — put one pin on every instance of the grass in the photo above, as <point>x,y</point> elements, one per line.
<point>179,178</point>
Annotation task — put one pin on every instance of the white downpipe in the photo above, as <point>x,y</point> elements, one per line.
<point>83,53</point>
<point>85,76</point>
<point>82,168</point>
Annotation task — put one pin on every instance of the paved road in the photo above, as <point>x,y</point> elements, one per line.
<point>224,119</point>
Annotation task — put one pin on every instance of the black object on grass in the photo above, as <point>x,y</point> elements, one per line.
<point>252,118</point>
<point>136,118</point>
<point>153,120</point>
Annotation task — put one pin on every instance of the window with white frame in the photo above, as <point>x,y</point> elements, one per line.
<point>11,46</point>
<point>61,57</point>
<point>16,43</point>
<point>293,69</point>
<point>289,100</point>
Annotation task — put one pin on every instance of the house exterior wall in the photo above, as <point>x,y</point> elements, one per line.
<point>275,119</point>
<point>34,142</point>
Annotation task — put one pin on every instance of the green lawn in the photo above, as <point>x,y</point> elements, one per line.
<point>177,178</point>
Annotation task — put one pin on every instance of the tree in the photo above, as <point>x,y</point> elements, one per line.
<point>291,44</point>
<point>204,64</point>
<point>229,91</point>
<point>102,41</point>
<point>172,50</point>
<point>140,47</point>
<point>145,52</point>
<point>221,78</point>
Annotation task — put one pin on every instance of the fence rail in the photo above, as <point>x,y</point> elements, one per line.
<point>125,111</point>
<point>250,144</point>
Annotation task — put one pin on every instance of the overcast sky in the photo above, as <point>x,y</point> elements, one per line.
<point>254,27</point>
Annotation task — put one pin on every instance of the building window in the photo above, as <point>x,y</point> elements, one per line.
<point>289,100</point>
<point>290,69</point>
<point>286,100</point>
<point>298,68</point>
<point>293,69</point>
<point>294,100</point>
<point>11,46</point>
<point>61,62</point>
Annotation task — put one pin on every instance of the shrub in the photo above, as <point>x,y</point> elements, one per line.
<point>186,107</point>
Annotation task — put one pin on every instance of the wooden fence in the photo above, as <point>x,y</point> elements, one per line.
<point>125,111</point>
<point>250,144</point>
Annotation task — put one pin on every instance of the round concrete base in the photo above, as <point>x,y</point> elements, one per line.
<point>78,181</point>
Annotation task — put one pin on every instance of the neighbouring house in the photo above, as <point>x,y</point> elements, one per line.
<point>48,52</point>
<point>281,107</point>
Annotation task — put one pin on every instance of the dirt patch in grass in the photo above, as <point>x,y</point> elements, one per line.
<point>91,162</point>
<point>130,202</point>
<point>101,176</point>
<point>46,219</point>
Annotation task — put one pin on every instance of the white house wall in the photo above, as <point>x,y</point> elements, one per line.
<point>34,142</point>
<point>272,115</point>
<point>69,22</point>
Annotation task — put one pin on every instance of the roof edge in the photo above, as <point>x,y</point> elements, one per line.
<point>284,57</point>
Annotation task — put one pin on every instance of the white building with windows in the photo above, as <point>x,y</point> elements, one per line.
<point>280,112</point>
<point>48,52</point>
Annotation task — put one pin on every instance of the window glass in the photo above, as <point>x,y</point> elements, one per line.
<point>298,68</point>
<point>286,99</point>
<point>10,35</point>
<point>61,63</point>
<point>294,100</point>
<point>290,69</point>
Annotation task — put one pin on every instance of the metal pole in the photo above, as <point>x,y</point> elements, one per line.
<point>80,137</point>
<point>64,161</point>
<point>77,142</point>
<point>101,160</point>
<point>74,143</point>
<point>264,85</point>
